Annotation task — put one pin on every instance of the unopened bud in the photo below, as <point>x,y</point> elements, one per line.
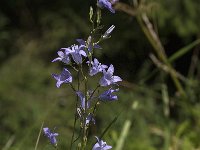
<point>108,32</point>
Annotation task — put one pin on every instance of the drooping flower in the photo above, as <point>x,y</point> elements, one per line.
<point>107,95</point>
<point>88,44</point>
<point>50,135</point>
<point>106,4</point>
<point>63,56</point>
<point>108,32</point>
<point>101,145</point>
<point>108,77</point>
<point>64,77</point>
<point>96,67</point>
<point>82,99</point>
<point>90,118</point>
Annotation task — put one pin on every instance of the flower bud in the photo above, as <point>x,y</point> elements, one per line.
<point>108,32</point>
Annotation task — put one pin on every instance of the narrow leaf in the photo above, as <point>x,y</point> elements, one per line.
<point>183,50</point>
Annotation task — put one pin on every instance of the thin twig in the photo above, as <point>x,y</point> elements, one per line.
<point>38,138</point>
<point>166,68</point>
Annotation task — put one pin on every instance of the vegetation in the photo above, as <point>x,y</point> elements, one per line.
<point>154,48</point>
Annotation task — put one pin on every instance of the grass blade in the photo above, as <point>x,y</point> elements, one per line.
<point>183,51</point>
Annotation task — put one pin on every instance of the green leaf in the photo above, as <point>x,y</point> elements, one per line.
<point>183,51</point>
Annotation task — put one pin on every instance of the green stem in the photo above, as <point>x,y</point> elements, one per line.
<point>159,51</point>
<point>75,113</point>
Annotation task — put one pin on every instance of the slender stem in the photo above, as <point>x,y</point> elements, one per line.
<point>94,92</point>
<point>72,87</point>
<point>36,145</point>
<point>75,113</point>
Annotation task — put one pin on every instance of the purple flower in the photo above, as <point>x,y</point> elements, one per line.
<point>82,99</point>
<point>106,4</point>
<point>64,77</point>
<point>51,136</point>
<point>63,56</point>
<point>101,145</point>
<point>108,32</point>
<point>89,45</point>
<point>96,67</point>
<point>107,95</point>
<point>89,118</point>
<point>76,52</point>
<point>108,77</point>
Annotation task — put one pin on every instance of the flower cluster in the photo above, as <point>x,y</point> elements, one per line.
<point>74,57</point>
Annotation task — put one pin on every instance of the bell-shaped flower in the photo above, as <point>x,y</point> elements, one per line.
<point>101,145</point>
<point>108,77</point>
<point>63,56</point>
<point>106,4</point>
<point>88,44</point>
<point>50,135</point>
<point>107,95</point>
<point>64,77</point>
<point>76,53</point>
<point>82,99</point>
<point>96,67</point>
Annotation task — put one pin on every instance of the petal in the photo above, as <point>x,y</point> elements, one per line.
<point>116,79</point>
<point>58,84</point>
<point>56,76</point>
<point>82,99</point>
<point>61,54</point>
<point>82,52</point>
<point>67,51</point>
<point>77,58</point>
<point>57,59</point>
<point>96,147</point>
<point>107,147</point>
<point>96,62</point>
<point>97,46</point>
<point>93,71</point>
<point>81,41</point>
<point>46,131</point>
<point>104,82</point>
<point>104,66</point>
<point>110,70</point>
<point>66,60</point>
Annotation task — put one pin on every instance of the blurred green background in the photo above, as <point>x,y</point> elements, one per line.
<point>152,113</point>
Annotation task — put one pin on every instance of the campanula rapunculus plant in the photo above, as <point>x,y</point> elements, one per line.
<point>88,99</point>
